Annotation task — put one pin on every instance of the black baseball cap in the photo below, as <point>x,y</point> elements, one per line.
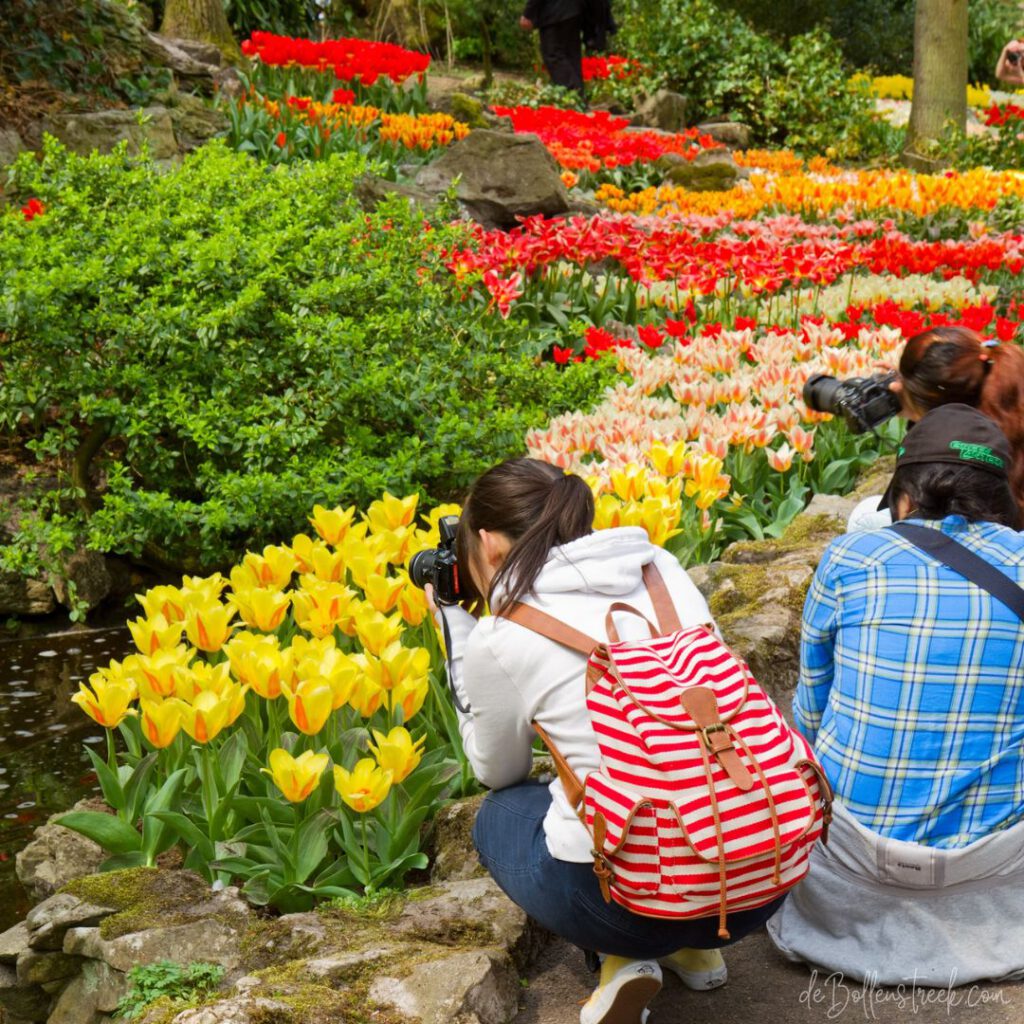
<point>957,434</point>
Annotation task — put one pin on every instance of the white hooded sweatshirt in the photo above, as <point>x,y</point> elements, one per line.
<point>509,676</point>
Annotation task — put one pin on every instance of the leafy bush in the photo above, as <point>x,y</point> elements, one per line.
<point>150,982</point>
<point>205,352</point>
<point>797,95</point>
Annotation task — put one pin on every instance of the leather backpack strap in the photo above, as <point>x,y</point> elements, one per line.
<point>569,779</point>
<point>554,629</point>
<point>664,608</point>
<point>964,561</point>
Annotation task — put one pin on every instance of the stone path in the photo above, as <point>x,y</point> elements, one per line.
<point>763,987</point>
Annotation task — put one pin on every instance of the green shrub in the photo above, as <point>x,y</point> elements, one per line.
<point>796,94</point>
<point>218,346</point>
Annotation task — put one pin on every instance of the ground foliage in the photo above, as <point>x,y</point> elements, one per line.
<point>239,342</point>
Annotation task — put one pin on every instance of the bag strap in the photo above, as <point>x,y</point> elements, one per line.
<point>554,629</point>
<point>964,561</point>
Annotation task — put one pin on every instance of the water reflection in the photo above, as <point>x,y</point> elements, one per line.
<point>43,767</point>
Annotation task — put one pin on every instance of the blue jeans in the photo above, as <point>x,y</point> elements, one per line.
<point>565,897</point>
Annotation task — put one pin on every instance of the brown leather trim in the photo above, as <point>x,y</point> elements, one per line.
<point>601,866</point>
<point>664,608</point>
<point>701,704</point>
<point>621,606</point>
<point>569,779</point>
<point>547,625</point>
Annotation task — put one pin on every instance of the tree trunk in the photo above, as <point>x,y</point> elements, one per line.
<point>940,75</point>
<point>200,19</point>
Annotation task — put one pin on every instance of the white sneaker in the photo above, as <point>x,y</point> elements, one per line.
<point>698,969</point>
<point>623,1000</point>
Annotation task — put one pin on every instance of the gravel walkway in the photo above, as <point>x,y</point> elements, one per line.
<point>763,986</point>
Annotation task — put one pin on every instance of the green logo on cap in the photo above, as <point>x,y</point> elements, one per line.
<point>977,453</point>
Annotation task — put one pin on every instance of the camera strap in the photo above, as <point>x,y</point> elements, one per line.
<point>459,706</point>
<point>964,561</point>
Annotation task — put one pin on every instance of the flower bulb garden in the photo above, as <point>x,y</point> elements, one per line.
<point>266,365</point>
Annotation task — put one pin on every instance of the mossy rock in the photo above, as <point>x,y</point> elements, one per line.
<point>142,897</point>
<point>467,109</point>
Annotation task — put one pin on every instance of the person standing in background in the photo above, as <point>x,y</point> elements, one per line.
<point>560,24</point>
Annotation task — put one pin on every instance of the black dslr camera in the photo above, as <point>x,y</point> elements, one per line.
<point>864,402</point>
<point>439,566</point>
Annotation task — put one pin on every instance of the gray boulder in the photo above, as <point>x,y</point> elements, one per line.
<point>56,856</point>
<point>50,921</point>
<point>19,596</point>
<point>480,986</point>
<point>104,129</point>
<point>18,1000</point>
<point>711,170</point>
<point>734,134</point>
<point>11,145</point>
<point>84,579</point>
<point>454,856</point>
<point>500,177</point>
<point>665,110</point>
<point>195,122</point>
<point>94,993</point>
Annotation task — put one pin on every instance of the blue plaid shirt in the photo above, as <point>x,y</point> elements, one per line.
<point>912,685</point>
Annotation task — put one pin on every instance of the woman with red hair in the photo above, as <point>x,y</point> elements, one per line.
<point>955,364</point>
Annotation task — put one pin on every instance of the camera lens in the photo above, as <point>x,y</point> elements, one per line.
<point>821,393</point>
<point>421,567</point>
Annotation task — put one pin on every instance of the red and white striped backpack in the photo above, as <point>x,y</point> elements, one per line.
<point>705,802</point>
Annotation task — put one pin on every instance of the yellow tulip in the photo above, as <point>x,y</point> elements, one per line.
<point>377,631</point>
<point>296,777</point>
<point>156,633</point>
<point>398,663</point>
<point>320,607</point>
<point>197,590</point>
<point>390,512</point>
<point>394,546</point>
<point>365,561</point>
<point>208,626</point>
<point>159,674</point>
<point>272,569</point>
<point>383,591</point>
<point>670,490</point>
<point>310,703</point>
<point>327,565</point>
<point>166,601</point>
<point>207,713</point>
<point>607,512</point>
<point>108,700</point>
<point>161,721</point>
<point>332,524</point>
<point>302,548</point>
<point>254,660</point>
<point>304,647</point>
<point>367,694</point>
<point>363,788</point>
<point>629,483</point>
<point>412,603</point>
<point>397,752</point>
<point>408,695</point>
<point>261,608</point>
<point>201,676</point>
<point>660,519</point>
<point>667,459</point>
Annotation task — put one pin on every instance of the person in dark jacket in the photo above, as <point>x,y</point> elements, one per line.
<point>560,23</point>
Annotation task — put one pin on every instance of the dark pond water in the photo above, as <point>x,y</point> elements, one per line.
<point>43,765</point>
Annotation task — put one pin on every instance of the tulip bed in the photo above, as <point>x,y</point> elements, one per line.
<point>245,688</point>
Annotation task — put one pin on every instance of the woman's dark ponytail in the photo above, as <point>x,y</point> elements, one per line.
<point>537,506</point>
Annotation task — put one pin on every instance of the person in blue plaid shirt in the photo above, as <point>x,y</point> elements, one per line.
<point>912,691</point>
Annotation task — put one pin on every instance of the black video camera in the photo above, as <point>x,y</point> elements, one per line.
<point>439,566</point>
<point>864,402</point>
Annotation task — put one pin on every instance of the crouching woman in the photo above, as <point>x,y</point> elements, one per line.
<point>912,691</point>
<point>526,535</point>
